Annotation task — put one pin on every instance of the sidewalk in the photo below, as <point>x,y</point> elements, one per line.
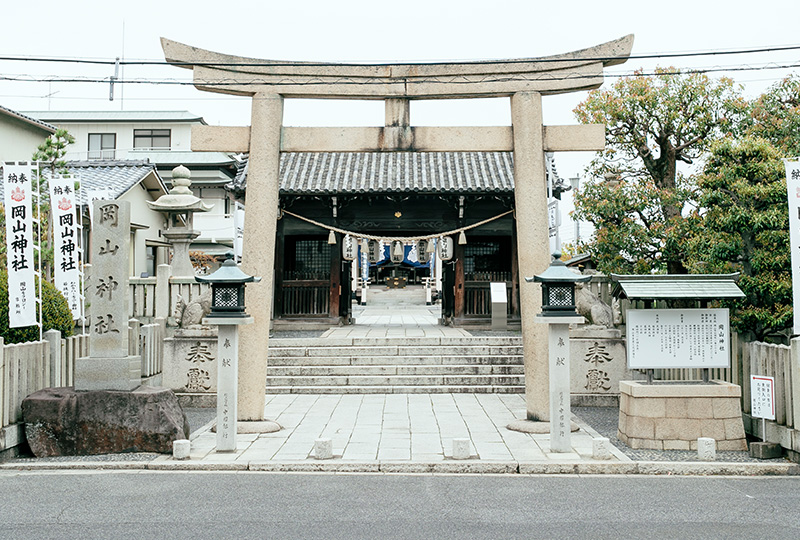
<point>413,433</point>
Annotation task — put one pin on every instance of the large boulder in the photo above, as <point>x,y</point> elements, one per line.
<point>65,422</point>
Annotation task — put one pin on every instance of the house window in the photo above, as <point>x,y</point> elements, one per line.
<point>102,145</point>
<point>151,138</point>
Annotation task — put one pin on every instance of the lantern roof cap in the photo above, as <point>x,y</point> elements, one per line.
<point>228,273</point>
<point>558,272</point>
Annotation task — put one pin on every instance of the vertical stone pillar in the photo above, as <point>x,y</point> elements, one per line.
<point>258,258</point>
<point>227,372</point>
<point>533,254</point>
<point>163,273</point>
<point>109,365</point>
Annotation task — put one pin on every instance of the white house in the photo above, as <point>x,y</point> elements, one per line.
<point>164,139</point>
<point>20,135</point>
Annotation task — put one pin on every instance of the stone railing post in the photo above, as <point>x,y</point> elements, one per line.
<point>53,337</point>
<point>163,273</point>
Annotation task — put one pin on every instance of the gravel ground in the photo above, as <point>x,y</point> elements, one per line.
<point>605,420</point>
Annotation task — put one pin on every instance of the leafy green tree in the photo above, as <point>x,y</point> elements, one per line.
<point>745,228</point>
<point>775,116</point>
<point>637,198</point>
<point>55,314</point>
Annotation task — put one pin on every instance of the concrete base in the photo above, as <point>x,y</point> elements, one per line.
<point>64,422</point>
<point>672,416</point>
<point>765,450</point>
<point>532,426</point>
<point>264,426</point>
<point>92,373</point>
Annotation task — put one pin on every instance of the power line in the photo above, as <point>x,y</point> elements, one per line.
<point>650,56</point>
<point>317,81</point>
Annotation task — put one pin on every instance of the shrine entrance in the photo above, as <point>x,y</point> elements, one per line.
<point>268,142</point>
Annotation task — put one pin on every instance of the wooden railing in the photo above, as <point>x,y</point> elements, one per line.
<point>478,298</point>
<point>305,298</point>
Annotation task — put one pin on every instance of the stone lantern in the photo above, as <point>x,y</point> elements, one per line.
<point>227,313</point>
<point>558,312</point>
<point>558,289</point>
<point>179,205</point>
<point>227,289</point>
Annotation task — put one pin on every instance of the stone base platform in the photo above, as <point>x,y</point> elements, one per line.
<point>672,416</point>
<point>66,422</point>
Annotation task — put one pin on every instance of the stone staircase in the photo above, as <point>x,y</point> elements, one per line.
<point>395,365</point>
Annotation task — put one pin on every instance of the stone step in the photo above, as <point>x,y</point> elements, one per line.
<point>311,351</point>
<point>396,389</point>
<point>397,341</point>
<point>350,370</point>
<point>398,380</point>
<point>390,360</point>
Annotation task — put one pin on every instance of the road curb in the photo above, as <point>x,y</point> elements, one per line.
<point>648,468</point>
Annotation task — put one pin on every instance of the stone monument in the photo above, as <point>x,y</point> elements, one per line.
<point>107,411</point>
<point>109,366</point>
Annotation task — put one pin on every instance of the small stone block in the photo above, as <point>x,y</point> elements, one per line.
<point>706,449</point>
<point>181,449</point>
<point>323,448</point>
<point>460,448</point>
<point>600,448</point>
<point>765,450</point>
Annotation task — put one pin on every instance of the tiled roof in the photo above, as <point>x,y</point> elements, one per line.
<point>391,172</point>
<point>29,119</point>
<point>688,286</point>
<point>117,176</point>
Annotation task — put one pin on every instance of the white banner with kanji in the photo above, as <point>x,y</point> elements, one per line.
<point>793,189</point>
<point>66,243</point>
<point>18,195</point>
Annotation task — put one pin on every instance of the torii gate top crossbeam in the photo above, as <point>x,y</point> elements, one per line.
<point>569,72</point>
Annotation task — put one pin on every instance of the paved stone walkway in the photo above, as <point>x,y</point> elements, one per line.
<point>417,428</point>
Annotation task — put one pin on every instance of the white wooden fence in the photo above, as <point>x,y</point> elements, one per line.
<point>781,362</point>
<point>28,367</point>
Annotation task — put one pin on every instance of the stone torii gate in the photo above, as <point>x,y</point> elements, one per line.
<point>268,82</point>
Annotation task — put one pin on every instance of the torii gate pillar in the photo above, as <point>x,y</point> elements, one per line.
<point>258,257</point>
<point>533,253</point>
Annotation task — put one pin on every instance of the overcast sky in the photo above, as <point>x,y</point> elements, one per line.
<point>369,30</point>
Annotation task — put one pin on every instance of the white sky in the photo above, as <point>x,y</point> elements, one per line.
<point>370,30</point>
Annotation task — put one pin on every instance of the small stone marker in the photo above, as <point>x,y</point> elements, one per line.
<point>323,448</point>
<point>600,448</point>
<point>460,448</point>
<point>109,366</point>
<point>706,449</point>
<point>181,449</point>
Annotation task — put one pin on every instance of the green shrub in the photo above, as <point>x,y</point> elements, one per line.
<point>55,311</point>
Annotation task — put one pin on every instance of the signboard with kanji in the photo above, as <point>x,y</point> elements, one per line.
<point>793,188</point>
<point>18,193</point>
<point>762,397</point>
<point>678,338</point>
<point>67,255</point>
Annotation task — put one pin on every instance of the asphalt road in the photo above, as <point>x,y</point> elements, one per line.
<point>138,505</point>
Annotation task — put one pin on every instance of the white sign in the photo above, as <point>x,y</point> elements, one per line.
<point>97,195</point>
<point>446,248</point>
<point>762,397</point>
<point>348,248</point>
<point>678,338</point>
<point>238,225</point>
<point>18,194</point>
<point>793,189</point>
<point>66,243</point>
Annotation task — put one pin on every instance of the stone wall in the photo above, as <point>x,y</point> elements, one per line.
<point>669,416</point>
